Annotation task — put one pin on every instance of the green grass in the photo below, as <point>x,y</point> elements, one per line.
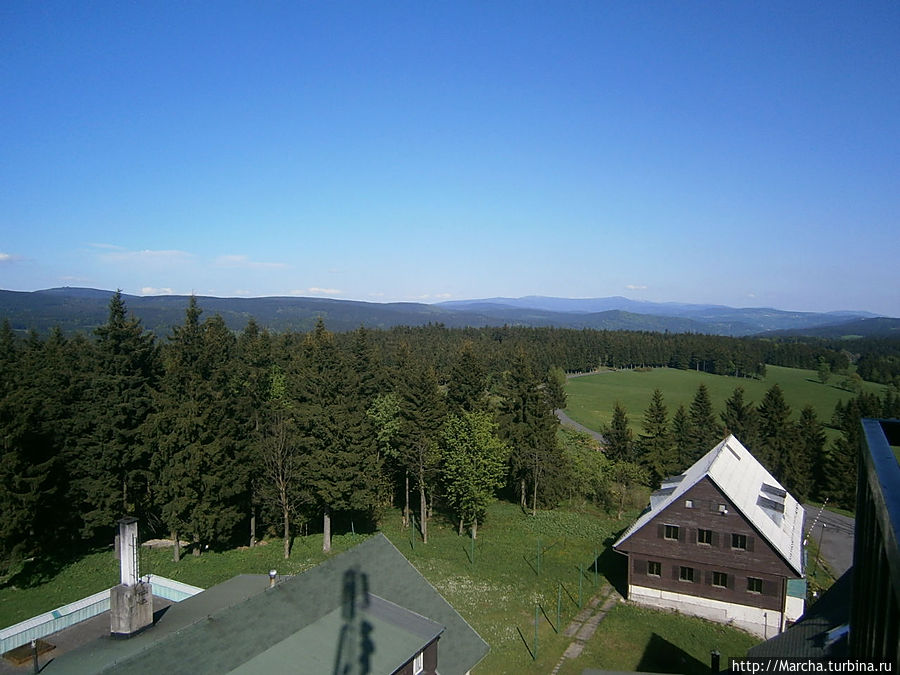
<point>497,593</point>
<point>634,638</point>
<point>591,399</point>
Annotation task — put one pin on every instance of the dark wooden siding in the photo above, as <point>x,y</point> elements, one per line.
<point>759,560</point>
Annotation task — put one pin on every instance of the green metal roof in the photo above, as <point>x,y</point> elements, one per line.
<point>232,624</point>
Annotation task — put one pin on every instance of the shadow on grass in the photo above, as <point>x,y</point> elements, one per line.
<point>525,642</point>
<point>614,566</point>
<point>661,656</point>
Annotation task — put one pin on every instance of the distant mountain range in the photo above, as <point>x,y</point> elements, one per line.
<point>83,309</point>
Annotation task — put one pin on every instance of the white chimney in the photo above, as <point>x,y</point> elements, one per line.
<point>131,602</point>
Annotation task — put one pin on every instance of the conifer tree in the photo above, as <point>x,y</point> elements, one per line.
<point>811,437</point>
<point>111,471</point>
<point>657,452</point>
<point>465,389</point>
<point>705,431</point>
<point>422,410</point>
<point>528,425</point>
<point>619,437</point>
<point>681,437</point>
<point>740,419</point>
<point>778,439</point>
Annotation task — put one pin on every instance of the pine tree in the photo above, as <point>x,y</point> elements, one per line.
<point>778,440</point>
<point>619,437</point>
<point>741,419</point>
<point>422,411</point>
<point>528,425</point>
<point>811,437</point>
<point>465,389</point>
<point>657,452</point>
<point>705,431</point>
<point>111,472</point>
<point>681,437</point>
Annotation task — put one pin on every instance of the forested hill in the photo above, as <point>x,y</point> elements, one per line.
<point>82,310</point>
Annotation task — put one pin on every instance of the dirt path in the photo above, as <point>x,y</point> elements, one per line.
<point>584,625</point>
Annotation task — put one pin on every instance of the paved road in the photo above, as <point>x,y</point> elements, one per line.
<point>835,532</point>
<point>567,421</point>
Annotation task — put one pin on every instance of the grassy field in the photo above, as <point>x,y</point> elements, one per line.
<point>497,593</point>
<point>591,398</point>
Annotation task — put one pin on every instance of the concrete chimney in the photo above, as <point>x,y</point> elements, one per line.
<point>131,602</point>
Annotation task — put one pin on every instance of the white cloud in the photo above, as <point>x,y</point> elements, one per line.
<point>242,291</point>
<point>377,294</point>
<point>150,290</point>
<point>636,287</point>
<point>6,258</point>
<point>117,254</point>
<point>245,262</point>
<point>324,291</point>
<point>443,296</point>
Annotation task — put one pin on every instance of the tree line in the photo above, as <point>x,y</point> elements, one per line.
<point>215,438</point>
<point>795,451</point>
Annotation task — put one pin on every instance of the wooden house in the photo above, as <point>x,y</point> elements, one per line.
<point>723,540</point>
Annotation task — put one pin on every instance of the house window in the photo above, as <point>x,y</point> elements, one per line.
<point>419,663</point>
<point>688,503</point>
<point>720,579</point>
<point>654,569</point>
<point>754,585</point>
<point>704,537</point>
<point>739,541</point>
<point>671,532</point>
<point>723,509</point>
<point>686,574</point>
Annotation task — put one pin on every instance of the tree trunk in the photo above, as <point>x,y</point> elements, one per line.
<point>522,495</point>
<point>423,507</point>
<point>534,497</point>
<point>475,528</point>
<point>253,530</point>
<point>196,551</point>
<point>287,534</point>
<point>326,531</point>
<point>406,506</point>
<point>460,526</point>
<point>176,549</point>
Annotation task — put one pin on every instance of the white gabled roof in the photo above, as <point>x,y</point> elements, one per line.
<point>754,492</point>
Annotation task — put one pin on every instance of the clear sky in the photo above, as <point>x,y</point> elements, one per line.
<point>742,153</point>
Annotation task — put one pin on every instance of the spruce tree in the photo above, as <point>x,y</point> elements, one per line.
<point>681,437</point>
<point>619,437</point>
<point>705,432</point>
<point>528,425</point>
<point>741,420</point>
<point>657,451</point>
<point>777,449</point>
<point>111,474</point>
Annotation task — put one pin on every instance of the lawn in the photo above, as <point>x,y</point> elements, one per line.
<point>497,593</point>
<point>591,398</point>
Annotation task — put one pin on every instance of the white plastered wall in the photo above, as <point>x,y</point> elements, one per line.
<point>765,623</point>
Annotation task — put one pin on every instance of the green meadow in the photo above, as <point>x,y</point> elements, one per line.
<point>591,398</point>
<point>497,592</point>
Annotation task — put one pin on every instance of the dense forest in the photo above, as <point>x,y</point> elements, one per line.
<point>217,438</point>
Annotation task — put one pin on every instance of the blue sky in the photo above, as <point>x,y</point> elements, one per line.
<point>746,154</point>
